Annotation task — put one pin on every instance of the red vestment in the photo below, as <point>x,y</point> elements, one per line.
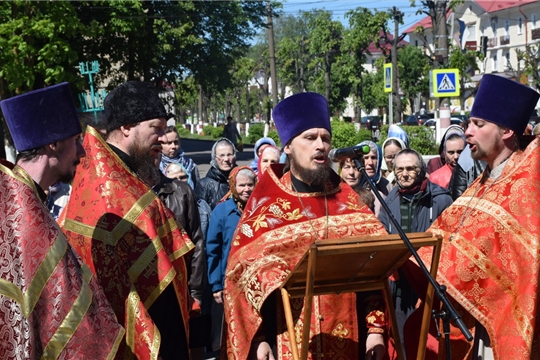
<point>129,239</point>
<point>51,305</point>
<point>491,255</point>
<point>276,229</point>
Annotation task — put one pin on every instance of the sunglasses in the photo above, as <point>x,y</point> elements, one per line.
<point>182,177</point>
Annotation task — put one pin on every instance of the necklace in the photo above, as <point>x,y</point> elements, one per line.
<point>306,214</point>
<point>468,212</point>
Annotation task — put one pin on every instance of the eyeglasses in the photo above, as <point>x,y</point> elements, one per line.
<point>408,169</point>
<point>225,156</point>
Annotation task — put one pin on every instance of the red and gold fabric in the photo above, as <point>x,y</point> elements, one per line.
<point>51,305</point>
<point>491,255</point>
<point>276,229</point>
<point>129,239</point>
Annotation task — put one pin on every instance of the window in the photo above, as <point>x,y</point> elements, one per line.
<point>506,27</point>
<point>520,25</point>
<point>495,63</point>
<point>533,21</point>
<point>494,27</point>
<point>507,60</point>
<point>416,43</point>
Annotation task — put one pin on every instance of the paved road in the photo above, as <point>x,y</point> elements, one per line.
<point>200,151</point>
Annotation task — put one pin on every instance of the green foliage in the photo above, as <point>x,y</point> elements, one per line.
<point>414,73</point>
<point>345,135</point>
<point>256,131</point>
<point>207,130</point>
<point>182,131</point>
<point>216,132</point>
<point>274,135</point>
<point>421,138</point>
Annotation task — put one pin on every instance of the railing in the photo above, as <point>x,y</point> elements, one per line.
<point>505,40</point>
<point>492,42</point>
<point>535,34</point>
<point>470,45</point>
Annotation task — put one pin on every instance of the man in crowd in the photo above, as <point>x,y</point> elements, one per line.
<point>491,233</point>
<point>51,306</point>
<point>286,213</point>
<point>124,232</point>
<point>452,146</point>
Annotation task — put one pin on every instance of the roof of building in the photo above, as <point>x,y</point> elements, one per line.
<point>373,49</point>
<point>425,23</point>
<point>492,6</point>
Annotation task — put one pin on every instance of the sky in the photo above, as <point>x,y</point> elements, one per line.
<point>340,7</point>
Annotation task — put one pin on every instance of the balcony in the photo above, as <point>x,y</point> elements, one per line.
<point>505,40</point>
<point>470,45</point>
<point>535,34</point>
<point>492,42</point>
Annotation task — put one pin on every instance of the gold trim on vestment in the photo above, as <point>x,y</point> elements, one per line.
<point>160,288</point>
<point>132,308</point>
<point>123,226</point>
<point>29,299</point>
<point>73,319</point>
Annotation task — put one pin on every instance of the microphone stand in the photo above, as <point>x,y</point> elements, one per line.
<point>447,313</point>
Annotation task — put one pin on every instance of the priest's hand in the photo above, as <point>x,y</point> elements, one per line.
<point>261,351</point>
<point>375,347</point>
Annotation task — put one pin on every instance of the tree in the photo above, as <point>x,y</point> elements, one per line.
<point>325,44</point>
<point>414,69</point>
<point>531,59</point>
<point>364,27</point>
<point>467,63</point>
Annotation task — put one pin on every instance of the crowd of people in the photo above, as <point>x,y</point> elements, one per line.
<point>116,247</point>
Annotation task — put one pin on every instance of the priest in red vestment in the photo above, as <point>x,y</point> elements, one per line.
<point>286,213</point>
<point>51,305</point>
<point>490,255</point>
<point>124,232</point>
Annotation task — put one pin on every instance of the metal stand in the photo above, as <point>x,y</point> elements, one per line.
<point>448,313</point>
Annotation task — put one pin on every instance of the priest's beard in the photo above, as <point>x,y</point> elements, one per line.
<point>144,165</point>
<point>313,177</point>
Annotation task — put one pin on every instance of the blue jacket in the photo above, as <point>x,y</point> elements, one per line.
<point>433,202</point>
<point>223,222</point>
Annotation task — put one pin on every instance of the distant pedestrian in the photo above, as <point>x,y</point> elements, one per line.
<point>231,132</point>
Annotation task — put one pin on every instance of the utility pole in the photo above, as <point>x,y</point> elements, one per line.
<point>272,55</point>
<point>398,17</point>
<point>440,37</point>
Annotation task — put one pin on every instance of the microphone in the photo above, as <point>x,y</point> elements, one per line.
<point>353,152</point>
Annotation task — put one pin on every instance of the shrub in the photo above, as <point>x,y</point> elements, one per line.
<point>421,138</point>
<point>217,132</point>
<point>344,134</point>
<point>256,131</point>
<point>207,130</point>
<point>182,131</point>
<point>274,135</point>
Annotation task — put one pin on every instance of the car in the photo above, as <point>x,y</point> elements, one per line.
<point>417,119</point>
<point>453,121</point>
<point>370,122</point>
<point>459,116</point>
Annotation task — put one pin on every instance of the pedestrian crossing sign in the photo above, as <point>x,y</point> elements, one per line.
<point>446,82</point>
<point>388,77</point>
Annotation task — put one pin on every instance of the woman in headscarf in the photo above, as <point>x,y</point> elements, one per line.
<point>372,164</point>
<point>396,141</point>
<point>270,155</point>
<point>260,145</point>
<point>223,222</point>
<point>215,184</point>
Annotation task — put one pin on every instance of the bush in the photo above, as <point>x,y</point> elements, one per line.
<point>207,130</point>
<point>344,134</point>
<point>256,131</point>
<point>274,135</point>
<point>182,131</point>
<point>421,138</point>
<point>217,132</point>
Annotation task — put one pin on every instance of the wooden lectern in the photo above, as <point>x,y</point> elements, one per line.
<point>354,265</point>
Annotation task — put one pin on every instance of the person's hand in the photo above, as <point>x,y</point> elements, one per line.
<point>375,347</point>
<point>261,351</point>
<point>218,296</point>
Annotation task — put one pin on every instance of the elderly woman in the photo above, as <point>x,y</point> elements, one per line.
<point>270,155</point>
<point>215,185</point>
<point>223,222</point>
